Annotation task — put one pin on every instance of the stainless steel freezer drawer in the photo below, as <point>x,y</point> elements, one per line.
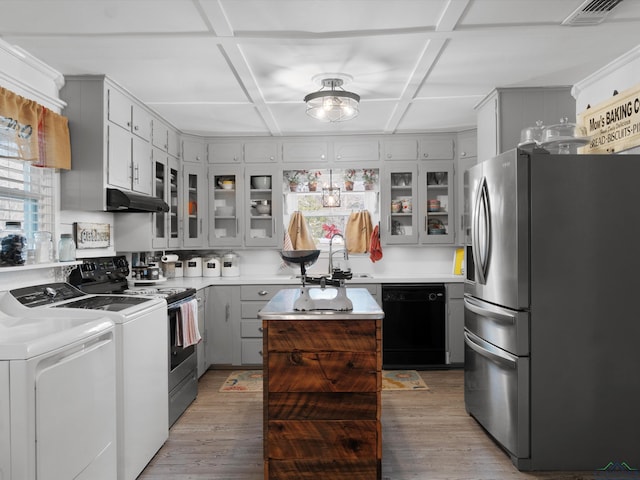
<point>496,393</point>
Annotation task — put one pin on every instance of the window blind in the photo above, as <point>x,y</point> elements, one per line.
<point>27,195</point>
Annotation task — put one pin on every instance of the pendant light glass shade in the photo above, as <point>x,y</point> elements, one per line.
<point>331,194</point>
<point>332,103</point>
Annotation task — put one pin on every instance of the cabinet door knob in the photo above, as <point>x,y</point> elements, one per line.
<point>463,154</point>
<point>426,155</point>
<point>262,293</point>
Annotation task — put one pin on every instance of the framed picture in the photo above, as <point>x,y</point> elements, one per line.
<point>92,235</point>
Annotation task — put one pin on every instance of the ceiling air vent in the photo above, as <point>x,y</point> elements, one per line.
<point>591,12</point>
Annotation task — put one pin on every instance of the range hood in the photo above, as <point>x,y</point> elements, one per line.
<point>121,201</point>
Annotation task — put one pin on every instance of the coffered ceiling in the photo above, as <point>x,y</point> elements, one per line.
<point>242,67</point>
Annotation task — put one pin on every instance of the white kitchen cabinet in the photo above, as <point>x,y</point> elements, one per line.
<point>400,149</point>
<point>110,142</point>
<point>227,212</point>
<point>437,184</point>
<point>128,113</point>
<point>194,150</point>
<point>506,111</point>
<point>194,207</point>
<point>467,144</point>
<point>262,229</point>
<point>201,348</point>
<point>360,150</point>
<point>399,204</point>
<point>455,323</point>
<point>467,151</point>
<point>159,134</point>
<point>224,152</point>
<point>261,152</point>
<point>433,148</point>
<point>304,151</point>
<point>173,143</point>
<point>166,232</point>
<point>222,325</point>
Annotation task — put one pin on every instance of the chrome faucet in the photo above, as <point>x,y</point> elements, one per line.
<point>331,252</point>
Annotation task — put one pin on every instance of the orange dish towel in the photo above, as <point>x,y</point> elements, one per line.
<point>358,232</point>
<point>299,233</point>
<point>375,249</point>
<point>187,324</point>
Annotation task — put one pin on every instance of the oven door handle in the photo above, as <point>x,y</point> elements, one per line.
<point>490,352</point>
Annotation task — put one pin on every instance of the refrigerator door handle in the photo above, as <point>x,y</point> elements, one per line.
<point>485,310</point>
<point>490,352</point>
<point>481,237</point>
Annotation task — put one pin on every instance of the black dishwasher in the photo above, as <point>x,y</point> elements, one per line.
<point>413,329</point>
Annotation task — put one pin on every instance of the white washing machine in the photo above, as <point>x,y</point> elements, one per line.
<point>57,397</point>
<point>141,340</point>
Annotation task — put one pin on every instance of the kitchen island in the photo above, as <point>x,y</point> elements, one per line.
<point>322,386</point>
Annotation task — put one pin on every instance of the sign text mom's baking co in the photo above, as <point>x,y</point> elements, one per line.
<point>613,125</point>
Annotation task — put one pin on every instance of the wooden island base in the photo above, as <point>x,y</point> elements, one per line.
<point>322,394</point>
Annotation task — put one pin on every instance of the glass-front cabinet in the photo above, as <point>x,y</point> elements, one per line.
<point>166,186</point>
<point>195,205</point>
<point>263,208</point>
<point>437,202</point>
<point>225,202</point>
<point>399,204</point>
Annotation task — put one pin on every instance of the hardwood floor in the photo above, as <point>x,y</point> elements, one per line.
<point>426,435</point>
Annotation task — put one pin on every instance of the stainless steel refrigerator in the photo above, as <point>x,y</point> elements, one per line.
<point>552,325</point>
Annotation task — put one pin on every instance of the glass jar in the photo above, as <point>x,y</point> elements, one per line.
<point>66,248</point>
<point>43,247</point>
<point>14,245</point>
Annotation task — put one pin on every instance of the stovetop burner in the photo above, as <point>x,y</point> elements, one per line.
<point>170,294</point>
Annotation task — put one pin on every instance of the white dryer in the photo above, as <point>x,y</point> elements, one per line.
<point>57,386</point>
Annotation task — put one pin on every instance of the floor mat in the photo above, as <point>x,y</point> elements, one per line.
<point>251,381</point>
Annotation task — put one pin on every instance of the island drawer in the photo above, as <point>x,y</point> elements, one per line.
<point>322,372</point>
<point>322,335</point>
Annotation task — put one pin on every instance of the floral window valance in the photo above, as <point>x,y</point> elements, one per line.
<point>32,132</point>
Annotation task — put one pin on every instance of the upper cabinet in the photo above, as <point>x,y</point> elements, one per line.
<point>400,149</point>
<point>225,152</point>
<point>126,112</point>
<point>194,205</point>
<point>506,111</point>
<point>304,151</point>
<point>110,142</point>
<point>360,150</point>
<point>434,148</point>
<point>261,152</point>
<point>194,150</point>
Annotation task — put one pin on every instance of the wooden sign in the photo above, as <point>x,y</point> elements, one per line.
<point>92,235</point>
<point>613,125</point>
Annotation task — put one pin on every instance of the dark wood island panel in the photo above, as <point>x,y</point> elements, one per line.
<point>322,396</point>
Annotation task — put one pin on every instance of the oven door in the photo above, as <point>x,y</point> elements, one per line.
<point>496,393</point>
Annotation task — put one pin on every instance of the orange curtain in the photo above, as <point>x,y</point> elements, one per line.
<point>29,131</point>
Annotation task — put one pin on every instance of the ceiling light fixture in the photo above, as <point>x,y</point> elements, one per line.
<point>332,103</point>
<point>331,194</point>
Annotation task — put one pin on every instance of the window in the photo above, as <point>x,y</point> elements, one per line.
<point>27,195</point>
<point>359,190</point>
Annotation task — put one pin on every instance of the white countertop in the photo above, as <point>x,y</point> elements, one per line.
<point>288,279</point>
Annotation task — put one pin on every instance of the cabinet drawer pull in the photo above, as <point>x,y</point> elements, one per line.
<point>262,293</point>
<point>260,329</point>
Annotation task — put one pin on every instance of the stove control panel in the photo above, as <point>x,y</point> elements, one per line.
<point>100,270</point>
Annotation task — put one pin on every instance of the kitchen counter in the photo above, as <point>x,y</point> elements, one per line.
<point>290,279</point>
